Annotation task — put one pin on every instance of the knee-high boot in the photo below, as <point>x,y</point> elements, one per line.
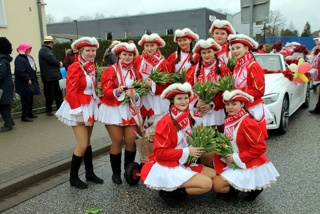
<point>251,196</point>
<point>90,175</point>
<point>74,178</point>
<point>116,168</point>
<point>128,158</point>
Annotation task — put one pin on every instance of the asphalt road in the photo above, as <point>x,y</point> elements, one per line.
<point>296,155</point>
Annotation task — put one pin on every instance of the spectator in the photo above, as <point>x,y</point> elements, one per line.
<point>276,47</point>
<point>6,84</point>
<point>50,75</point>
<point>69,58</point>
<point>110,58</point>
<point>262,49</point>
<point>26,81</point>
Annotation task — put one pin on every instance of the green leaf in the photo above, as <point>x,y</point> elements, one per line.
<point>94,210</point>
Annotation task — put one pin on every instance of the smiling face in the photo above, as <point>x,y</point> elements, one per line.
<point>207,55</point>
<point>126,57</point>
<point>151,48</point>
<point>233,107</point>
<point>89,53</point>
<point>181,101</point>
<point>184,44</point>
<point>220,36</point>
<point>238,50</point>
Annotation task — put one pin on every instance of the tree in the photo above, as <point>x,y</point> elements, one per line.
<point>291,31</point>
<point>276,23</point>
<point>85,18</point>
<point>99,16</point>
<point>306,30</point>
<point>50,19</point>
<point>67,19</point>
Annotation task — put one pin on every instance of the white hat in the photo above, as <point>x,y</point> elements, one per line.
<point>222,24</point>
<point>237,95</point>
<point>185,33</point>
<point>152,38</point>
<point>177,88</point>
<point>206,44</point>
<point>124,46</point>
<point>85,42</point>
<point>114,43</point>
<point>243,39</point>
<point>48,39</point>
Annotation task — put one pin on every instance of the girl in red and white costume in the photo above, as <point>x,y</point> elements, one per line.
<point>256,171</point>
<point>220,30</point>
<point>167,170</point>
<point>151,59</point>
<point>80,107</point>
<point>183,58</point>
<point>209,68</point>
<point>120,120</point>
<point>249,77</point>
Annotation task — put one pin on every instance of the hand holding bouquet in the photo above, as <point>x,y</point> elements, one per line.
<point>140,88</point>
<point>204,91</point>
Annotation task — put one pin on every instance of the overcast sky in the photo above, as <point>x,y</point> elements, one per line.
<point>298,11</point>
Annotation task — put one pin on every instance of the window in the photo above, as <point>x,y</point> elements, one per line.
<point>3,21</point>
<point>109,35</point>
<point>169,31</point>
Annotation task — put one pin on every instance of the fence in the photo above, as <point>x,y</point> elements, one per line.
<point>307,41</point>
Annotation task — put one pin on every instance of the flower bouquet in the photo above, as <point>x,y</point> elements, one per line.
<point>202,136</point>
<point>177,77</point>
<point>99,71</point>
<point>231,63</point>
<point>159,77</point>
<point>140,88</point>
<point>222,146</point>
<point>204,91</point>
<point>225,83</point>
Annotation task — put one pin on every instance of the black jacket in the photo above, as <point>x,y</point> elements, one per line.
<point>49,64</point>
<point>6,83</point>
<point>23,73</point>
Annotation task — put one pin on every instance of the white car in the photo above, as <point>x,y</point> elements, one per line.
<point>282,96</point>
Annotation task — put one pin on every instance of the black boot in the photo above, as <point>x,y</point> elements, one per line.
<point>251,196</point>
<point>232,193</point>
<point>116,168</point>
<point>128,158</point>
<point>90,175</point>
<point>74,179</point>
<point>170,199</point>
<point>180,194</point>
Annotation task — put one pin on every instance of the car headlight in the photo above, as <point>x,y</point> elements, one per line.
<point>270,98</point>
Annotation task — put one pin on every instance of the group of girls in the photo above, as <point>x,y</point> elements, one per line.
<point>167,170</point>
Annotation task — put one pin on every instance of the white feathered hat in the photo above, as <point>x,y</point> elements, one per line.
<point>177,88</point>
<point>124,46</point>
<point>237,95</point>
<point>222,24</point>
<point>243,39</point>
<point>85,42</point>
<point>152,38</point>
<point>185,33</point>
<point>206,44</point>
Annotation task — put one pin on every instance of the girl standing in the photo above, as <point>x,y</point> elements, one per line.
<point>120,120</point>
<point>255,172</point>
<point>80,108</point>
<point>167,170</point>
<point>249,77</point>
<point>183,58</point>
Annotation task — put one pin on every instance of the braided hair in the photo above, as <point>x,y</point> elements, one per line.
<point>217,66</point>
<point>190,53</point>
<point>5,46</point>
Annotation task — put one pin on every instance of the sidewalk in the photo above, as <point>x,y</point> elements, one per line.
<point>34,151</point>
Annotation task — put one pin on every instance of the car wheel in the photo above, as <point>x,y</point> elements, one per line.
<point>284,119</point>
<point>307,100</point>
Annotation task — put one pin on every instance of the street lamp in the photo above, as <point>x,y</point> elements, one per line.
<point>265,27</point>
<point>76,21</point>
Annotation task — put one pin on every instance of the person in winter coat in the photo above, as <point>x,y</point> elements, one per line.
<point>50,75</point>
<point>6,84</point>
<point>26,81</point>
<point>80,108</point>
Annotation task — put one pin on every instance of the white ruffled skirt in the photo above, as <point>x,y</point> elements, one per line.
<point>156,103</point>
<point>114,115</point>
<point>255,178</point>
<point>168,178</point>
<point>88,111</point>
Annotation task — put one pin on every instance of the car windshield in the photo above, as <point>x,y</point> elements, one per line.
<point>269,61</point>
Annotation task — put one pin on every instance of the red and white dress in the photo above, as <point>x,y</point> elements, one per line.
<point>111,110</point>
<point>249,147</point>
<point>223,55</point>
<point>184,61</point>
<point>315,70</point>
<point>249,77</point>
<point>167,169</point>
<point>152,103</point>
<point>81,98</point>
<point>208,72</point>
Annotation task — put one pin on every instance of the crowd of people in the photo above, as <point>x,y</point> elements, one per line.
<point>239,113</point>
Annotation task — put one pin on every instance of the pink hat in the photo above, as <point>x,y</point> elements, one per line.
<point>243,39</point>
<point>85,42</point>
<point>177,88</point>
<point>237,95</point>
<point>206,44</point>
<point>152,38</point>
<point>23,47</point>
<point>185,33</point>
<point>124,46</point>
<point>222,24</point>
